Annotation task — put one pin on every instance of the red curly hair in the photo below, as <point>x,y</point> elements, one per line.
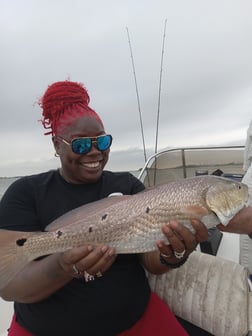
<point>64,102</point>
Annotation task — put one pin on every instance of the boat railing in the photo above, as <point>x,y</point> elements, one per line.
<point>175,163</point>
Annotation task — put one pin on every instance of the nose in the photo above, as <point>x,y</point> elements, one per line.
<point>94,148</point>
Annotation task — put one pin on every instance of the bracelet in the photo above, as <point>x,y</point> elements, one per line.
<point>177,265</point>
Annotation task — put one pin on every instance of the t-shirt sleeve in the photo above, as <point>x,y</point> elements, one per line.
<point>17,207</point>
<point>137,185</point>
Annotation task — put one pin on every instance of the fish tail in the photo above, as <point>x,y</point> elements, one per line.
<point>12,255</point>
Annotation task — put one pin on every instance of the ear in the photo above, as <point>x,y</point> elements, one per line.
<point>56,144</point>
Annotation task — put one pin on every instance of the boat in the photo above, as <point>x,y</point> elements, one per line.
<point>226,283</point>
<point>212,289</point>
<point>177,163</point>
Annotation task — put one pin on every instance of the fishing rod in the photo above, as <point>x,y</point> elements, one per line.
<point>160,87</point>
<point>159,99</point>
<point>138,101</point>
<point>137,93</point>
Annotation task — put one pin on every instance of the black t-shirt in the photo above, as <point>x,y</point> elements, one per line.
<point>105,306</point>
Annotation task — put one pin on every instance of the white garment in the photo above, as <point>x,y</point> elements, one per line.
<point>248,149</point>
<point>246,252</point>
<point>245,241</point>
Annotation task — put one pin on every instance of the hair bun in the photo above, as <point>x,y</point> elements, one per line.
<point>59,97</point>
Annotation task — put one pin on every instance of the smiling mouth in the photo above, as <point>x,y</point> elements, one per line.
<point>91,164</point>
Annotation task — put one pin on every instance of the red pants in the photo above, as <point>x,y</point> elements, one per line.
<point>157,320</point>
<point>16,329</point>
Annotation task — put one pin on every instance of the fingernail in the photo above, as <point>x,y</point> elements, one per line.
<point>90,248</point>
<point>174,223</point>
<point>167,229</point>
<point>195,222</point>
<point>111,253</point>
<point>104,249</point>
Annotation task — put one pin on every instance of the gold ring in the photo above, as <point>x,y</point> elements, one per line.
<point>99,274</point>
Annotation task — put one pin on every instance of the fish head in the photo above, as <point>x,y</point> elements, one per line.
<point>226,197</point>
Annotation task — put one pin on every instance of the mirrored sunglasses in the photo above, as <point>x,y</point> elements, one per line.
<point>84,145</point>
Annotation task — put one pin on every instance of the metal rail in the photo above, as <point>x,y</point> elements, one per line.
<point>183,156</point>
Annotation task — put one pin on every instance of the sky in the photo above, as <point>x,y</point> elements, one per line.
<point>202,92</point>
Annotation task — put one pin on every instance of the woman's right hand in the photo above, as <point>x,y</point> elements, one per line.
<point>93,260</point>
<point>53,272</point>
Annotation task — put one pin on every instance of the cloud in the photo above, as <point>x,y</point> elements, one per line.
<point>206,74</point>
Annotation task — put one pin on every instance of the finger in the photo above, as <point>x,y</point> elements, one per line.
<point>103,263</point>
<point>222,227</point>
<point>177,245</point>
<point>90,259</point>
<point>70,257</point>
<point>201,232</point>
<point>101,266</point>
<point>172,234</point>
<point>99,255</point>
<point>165,250</point>
<point>77,253</point>
<point>187,238</point>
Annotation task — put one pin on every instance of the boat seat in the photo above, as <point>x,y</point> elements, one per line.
<point>210,292</point>
<point>246,252</point>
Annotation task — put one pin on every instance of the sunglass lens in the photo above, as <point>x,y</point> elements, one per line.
<point>104,142</point>
<point>82,145</point>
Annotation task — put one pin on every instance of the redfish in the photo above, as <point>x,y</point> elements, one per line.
<point>129,223</point>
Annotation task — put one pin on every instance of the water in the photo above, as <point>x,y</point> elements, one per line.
<point>163,175</point>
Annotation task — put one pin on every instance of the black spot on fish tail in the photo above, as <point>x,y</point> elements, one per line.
<point>59,234</point>
<point>147,210</point>
<point>21,242</point>
<point>104,216</point>
<point>90,229</point>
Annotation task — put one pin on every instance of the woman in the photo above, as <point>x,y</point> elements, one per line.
<point>87,290</point>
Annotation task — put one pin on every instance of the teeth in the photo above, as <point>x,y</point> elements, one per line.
<point>91,164</point>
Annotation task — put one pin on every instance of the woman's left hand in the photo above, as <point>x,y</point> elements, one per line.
<point>181,240</point>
